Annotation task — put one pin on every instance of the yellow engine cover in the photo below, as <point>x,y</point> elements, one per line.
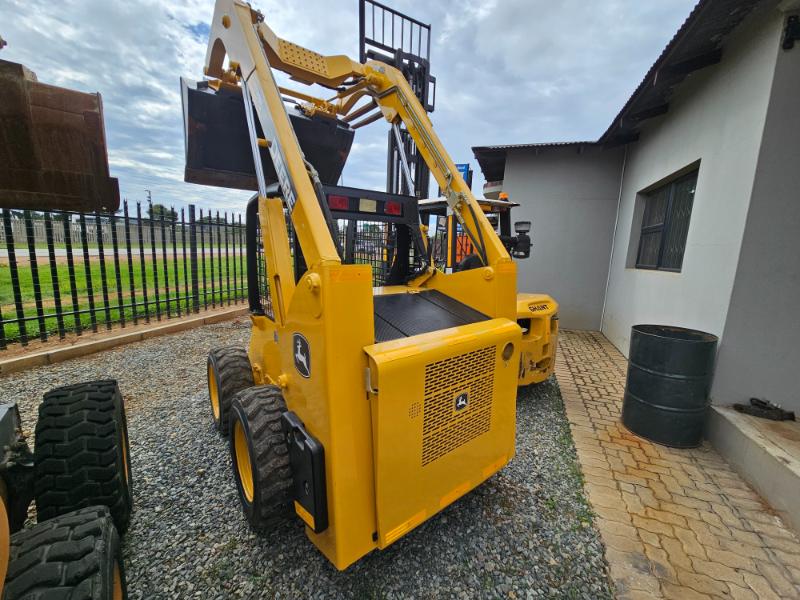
<point>443,418</point>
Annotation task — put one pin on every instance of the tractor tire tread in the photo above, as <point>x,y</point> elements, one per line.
<point>69,557</point>
<point>264,406</point>
<point>234,374</point>
<point>80,437</point>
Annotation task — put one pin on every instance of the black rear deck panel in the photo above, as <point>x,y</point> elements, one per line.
<point>404,315</point>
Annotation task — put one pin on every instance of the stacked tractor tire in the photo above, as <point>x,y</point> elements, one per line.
<point>82,484</point>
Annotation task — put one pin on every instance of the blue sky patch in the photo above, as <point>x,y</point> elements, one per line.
<point>200,30</point>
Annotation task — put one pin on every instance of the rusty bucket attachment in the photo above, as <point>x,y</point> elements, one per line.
<point>218,145</point>
<point>52,146</point>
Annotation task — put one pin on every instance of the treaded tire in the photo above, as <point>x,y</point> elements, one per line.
<point>232,373</point>
<point>258,410</point>
<point>74,556</point>
<point>82,452</point>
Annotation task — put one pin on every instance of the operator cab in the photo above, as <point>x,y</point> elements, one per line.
<point>382,230</point>
<point>452,249</point>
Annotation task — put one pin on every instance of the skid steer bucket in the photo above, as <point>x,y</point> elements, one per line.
<point>52,146</point>
<point>218,145</point>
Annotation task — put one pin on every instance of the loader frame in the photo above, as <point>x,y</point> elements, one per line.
<point>356,394</point>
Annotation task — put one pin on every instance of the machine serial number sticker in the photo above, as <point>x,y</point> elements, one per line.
<point>462,401</point>
<point>302,355</point>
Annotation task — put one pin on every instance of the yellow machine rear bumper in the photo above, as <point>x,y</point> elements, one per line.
<point>537,314</point>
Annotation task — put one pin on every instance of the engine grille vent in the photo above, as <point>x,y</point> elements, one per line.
<point>458,402</point>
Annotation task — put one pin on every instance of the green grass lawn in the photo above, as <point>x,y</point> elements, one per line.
<point>147,274</point>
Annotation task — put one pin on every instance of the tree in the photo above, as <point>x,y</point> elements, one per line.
<point>156,211</point>
<point>211,219</point>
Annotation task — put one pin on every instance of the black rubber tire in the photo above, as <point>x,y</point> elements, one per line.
<point>259,410</point>
<point>82,454</point>
<point>232,373</point>
<point>72,556</point>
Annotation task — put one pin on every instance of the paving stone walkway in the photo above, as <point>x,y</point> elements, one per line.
<point>676,523</point>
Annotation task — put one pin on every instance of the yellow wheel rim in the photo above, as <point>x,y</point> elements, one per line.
<point>125,454</point>
<point>243,467</point>
<point>213,393</point>
<point>117,583</point>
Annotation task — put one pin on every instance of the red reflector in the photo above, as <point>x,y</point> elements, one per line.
<point>393,208</point>
<point>338,202</point>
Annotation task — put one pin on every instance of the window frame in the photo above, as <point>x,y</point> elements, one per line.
<point>663,228</point>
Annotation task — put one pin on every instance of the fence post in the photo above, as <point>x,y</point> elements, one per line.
<point>117,274</point>
<point>103,275</point>
<point>219,257</point>
<point>142,261</point>
<point>173,231</point>
<point>12,263</point>
<point>2,331</point>
<point>129,251</point>
<point>51,251</point>
<point>185,264</point>
<point>211,252</point>
<point>165,262</point>
<point>73,289</point>
<point>203,260</point>
<point>154,254</point>
<point>227,261</point>
<point>37,285</point>
<point>242,251</point>
<point>193,259</point>
<point>233,255</point>
<point>87,270</point>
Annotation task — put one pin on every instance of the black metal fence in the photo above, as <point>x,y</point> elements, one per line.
<point>65,273</point>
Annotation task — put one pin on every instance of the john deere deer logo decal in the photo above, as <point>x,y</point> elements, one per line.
<point>462,401</point>
<point>302,355</point>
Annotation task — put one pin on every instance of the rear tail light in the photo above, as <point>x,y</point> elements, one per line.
<point>393,208</point>
<point>338,202</point>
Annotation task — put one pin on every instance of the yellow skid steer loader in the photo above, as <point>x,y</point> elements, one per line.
<point>367,400</point>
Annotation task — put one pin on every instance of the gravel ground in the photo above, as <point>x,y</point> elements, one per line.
<point>526,533</point>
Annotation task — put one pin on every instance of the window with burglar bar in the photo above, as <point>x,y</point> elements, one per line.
<point>665,225</point>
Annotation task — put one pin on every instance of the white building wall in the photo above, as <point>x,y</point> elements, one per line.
<point>759,353</point>
<point>717,117</point>
<point>571,199</point>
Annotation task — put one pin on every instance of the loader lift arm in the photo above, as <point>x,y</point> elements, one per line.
<point>240,35</point>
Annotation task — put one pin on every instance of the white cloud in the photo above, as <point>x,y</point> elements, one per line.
<point>470,13</point>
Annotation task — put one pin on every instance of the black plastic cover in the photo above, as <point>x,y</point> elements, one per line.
<point>307,458</point>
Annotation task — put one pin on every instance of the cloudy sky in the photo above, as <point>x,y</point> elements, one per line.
<point>508,71</point>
